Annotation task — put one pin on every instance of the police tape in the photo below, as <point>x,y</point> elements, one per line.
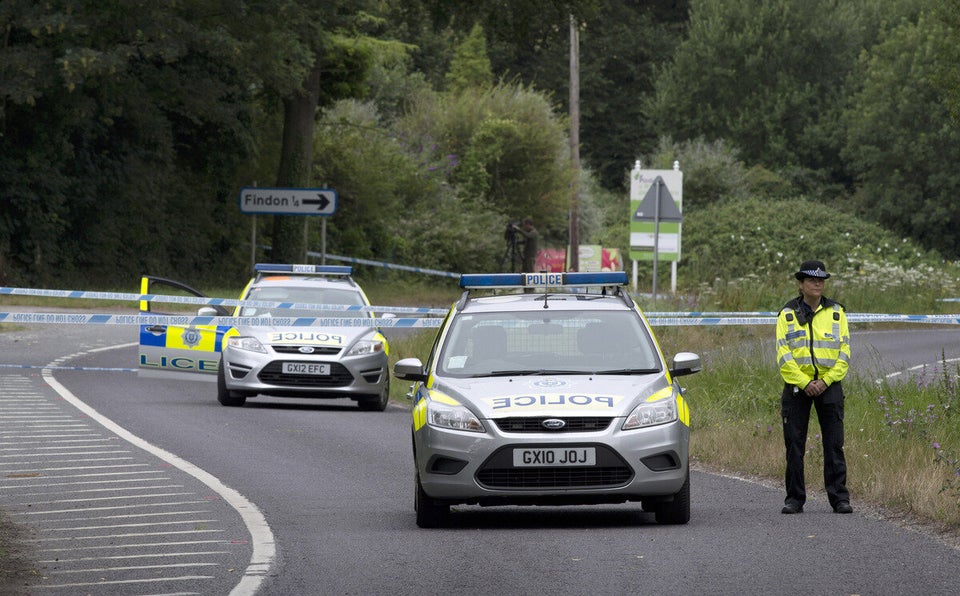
<point>770,318</point>
<point>402,322</point>
<point>200,320</point>
<point>208,301</point>
<point>383,264</point>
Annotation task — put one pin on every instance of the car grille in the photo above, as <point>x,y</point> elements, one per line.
<point>323,351</point>
<point>498,472</point>
<point>272,374</point>
<point>585,424</point>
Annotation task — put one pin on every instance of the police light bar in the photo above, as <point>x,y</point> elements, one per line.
<point>470,281</point>
<point>265,268</point>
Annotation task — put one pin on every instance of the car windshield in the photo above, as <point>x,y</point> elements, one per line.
<point>305,296</point>
<point>526,343</point>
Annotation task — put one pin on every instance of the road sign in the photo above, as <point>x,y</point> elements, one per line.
<point>288,201</point>
<point>656,207</point>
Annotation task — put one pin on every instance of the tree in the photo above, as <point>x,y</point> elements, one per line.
<point>948,77</point>
<point>901,143</point>
<point>307,54</point>
<point>470,66</point>
<point>622,43</point>
<point>768,76</point>
<point>111,119</point>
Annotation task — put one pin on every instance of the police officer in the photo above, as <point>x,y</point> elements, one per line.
<point>531,244</point>
<point>813,353</point>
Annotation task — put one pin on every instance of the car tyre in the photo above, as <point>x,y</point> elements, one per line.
<point>377,403</point>
<point>677,511</point>
<point>225,396</point>
<point>431,513</point>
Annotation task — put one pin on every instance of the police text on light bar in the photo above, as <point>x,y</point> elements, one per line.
<point>303,269</point>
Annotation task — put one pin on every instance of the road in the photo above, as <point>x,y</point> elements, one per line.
<point>334,487</point>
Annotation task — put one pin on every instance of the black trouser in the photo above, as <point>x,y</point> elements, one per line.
<point>795,407</point>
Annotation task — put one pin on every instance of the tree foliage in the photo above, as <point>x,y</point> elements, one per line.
<point>118,127</point>
<point>901,141</point>
<point>128,127</point>
<point>766,75</point>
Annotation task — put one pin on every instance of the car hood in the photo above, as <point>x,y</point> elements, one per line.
<point>566,395</point>
<point>306,336</point>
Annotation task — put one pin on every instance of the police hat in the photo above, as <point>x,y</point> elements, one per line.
<point>812,269</point>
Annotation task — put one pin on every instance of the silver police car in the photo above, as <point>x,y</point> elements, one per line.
<point>550,391</point>
<point>304,361</point>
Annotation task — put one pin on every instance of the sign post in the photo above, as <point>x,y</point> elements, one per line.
<point>656,215</point>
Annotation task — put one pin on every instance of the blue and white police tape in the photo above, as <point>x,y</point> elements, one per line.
<point>384,265</point>
<point>404,323</point>
<point>196,320</point>
<point>708,321</point>
<point>708,314</point>
<point>207,301</point>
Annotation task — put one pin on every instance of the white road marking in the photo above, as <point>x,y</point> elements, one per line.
<point>262,540</point>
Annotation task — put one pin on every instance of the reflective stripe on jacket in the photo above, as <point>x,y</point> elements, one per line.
<point>814,349</point>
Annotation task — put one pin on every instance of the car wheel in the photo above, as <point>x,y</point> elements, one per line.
<point>431,513</point>
<point>224,395</point>
<point>377,403</point>
<point>676,511</point>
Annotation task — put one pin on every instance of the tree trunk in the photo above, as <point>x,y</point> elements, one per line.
<point>296,165</point>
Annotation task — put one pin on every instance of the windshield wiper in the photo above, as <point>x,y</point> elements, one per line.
<point>529,373</point>
<point>511,373</point>
<point>627,371</point>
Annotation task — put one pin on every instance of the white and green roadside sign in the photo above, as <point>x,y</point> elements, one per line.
<point>656,216</point>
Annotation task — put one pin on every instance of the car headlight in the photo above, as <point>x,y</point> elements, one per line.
<point>453,417</point>
<point>251,344</point>
<point>659,408</point>
<point>366,346</point>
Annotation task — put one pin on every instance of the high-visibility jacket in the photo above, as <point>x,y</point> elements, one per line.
<point>818,348</point>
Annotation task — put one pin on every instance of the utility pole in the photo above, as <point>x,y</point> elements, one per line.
<point>574,247</point>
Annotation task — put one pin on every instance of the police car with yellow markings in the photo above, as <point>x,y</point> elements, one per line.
<point>550,389</point>
<point>287,361</point>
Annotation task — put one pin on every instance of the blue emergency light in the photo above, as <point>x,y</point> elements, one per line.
<point>263,268</point>
<point>470,281</point>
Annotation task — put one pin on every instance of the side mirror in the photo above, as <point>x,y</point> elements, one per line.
<point>207,311</point>
<point>409,369</point>
<point>685,363</point>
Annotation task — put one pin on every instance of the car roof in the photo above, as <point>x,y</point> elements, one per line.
<point>299,281</point>
<point>534,302</point>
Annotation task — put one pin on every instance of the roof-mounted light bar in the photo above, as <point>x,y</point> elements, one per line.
<point>472,281</point>
<point>272,268</point>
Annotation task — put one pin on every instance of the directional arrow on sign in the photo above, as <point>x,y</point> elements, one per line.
<point>322,202</point>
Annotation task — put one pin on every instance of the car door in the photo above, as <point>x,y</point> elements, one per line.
<point>178,351</point>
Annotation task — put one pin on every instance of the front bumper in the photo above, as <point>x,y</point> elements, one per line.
<point>464,467</point>
<point>253,373</point>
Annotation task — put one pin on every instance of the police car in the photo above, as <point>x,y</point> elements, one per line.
<point>295,359</point>
<point>550,391</point>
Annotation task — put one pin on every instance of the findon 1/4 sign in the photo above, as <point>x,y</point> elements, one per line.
<point>288,201</point>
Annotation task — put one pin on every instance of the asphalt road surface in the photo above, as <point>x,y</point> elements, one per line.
<point>142,486</point>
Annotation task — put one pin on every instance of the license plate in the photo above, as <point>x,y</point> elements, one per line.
<point>555,456</point>
<point>306,368</point>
